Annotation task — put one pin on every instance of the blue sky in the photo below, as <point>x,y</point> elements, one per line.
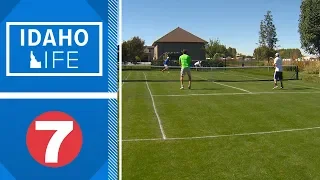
<point>234,22</point>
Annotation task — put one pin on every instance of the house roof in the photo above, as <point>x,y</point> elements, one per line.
<point>179,35</point>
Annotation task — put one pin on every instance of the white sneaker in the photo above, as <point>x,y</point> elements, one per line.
<point>275,87</point>
<point>182,88</point>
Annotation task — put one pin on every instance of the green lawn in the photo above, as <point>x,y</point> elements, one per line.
<point>219,130</point>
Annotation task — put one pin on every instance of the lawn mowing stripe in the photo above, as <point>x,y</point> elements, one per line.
<point>305,86</point>
<point>228,94</point>
<point>226,85</point>
<point>155,109</point>
<point>240,75</point>
<point>226,135</point>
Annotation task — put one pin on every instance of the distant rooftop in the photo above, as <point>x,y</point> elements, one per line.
<point>179,35</point>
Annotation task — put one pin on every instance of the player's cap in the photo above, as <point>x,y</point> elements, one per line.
<point>277,54</point>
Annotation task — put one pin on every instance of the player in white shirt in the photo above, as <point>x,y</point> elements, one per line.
<point>278,76</point>
<point>197,64</point>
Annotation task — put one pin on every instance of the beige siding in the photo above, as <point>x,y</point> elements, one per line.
<point>195,50</point>
<point>149,52</point>
<point>156,52</point>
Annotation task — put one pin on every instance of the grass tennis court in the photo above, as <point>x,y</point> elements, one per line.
<point>219,130</point>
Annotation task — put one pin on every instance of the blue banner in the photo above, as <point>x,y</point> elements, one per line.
<point>91,58</point>
<point>54,49</point>
<point>58,91</point>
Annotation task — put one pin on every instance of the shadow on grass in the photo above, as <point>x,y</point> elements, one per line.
<point>297,89</point>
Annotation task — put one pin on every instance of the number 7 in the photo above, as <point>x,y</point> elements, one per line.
<point>62,128</point>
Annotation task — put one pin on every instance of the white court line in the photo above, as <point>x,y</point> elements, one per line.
<point>290,83</point>
<point>293,84</point>
<point>229,94</point>
<point>226,135</point>
<point>151,139</point>
<point>226,85</point>
<point>127,77</point>
<point>58,95</point>
<point>155,109</point>
<point>233,87</point>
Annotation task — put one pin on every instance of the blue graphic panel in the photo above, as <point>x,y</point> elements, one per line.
<point>59,48</point>
<point>90,76</point>
<point>32,59</point>
<point>4,174</point>
<point>96,123</point>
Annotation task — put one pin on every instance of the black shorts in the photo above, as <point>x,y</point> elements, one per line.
<point>278,76</point>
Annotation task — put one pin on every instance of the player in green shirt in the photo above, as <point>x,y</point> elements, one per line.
<point>185,63</point>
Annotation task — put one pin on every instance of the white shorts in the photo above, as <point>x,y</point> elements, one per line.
<point>185,70</point>
<point>166,66</point>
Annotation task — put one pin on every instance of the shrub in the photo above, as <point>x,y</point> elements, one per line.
<point>311,78</point>
<point>312,67</point>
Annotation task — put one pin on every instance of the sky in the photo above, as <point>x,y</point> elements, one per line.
<point>234,22</point>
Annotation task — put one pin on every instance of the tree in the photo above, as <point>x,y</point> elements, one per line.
<point>133,49</point>
<point>296,53</point>
<point>212,48</point>
<point>125,52</point>
<point>262,34</point>
<point>231,52</point>
<point>271,32</point>
<point>215,47</point>
<point>263,53</point>
<point>309,26</point>
<point>234,52</point>
<point>267,33</point>
<point>136,48</point>
<point>290,53</point>
<point>217,56</point>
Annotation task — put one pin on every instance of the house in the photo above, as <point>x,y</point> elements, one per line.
<point>149,51</point>
<point>177,40</point>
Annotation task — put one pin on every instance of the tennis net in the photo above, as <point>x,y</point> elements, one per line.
<point>218,74</point>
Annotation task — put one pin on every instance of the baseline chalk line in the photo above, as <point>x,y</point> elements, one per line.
<point>226,135</point>
<point>233,94</point>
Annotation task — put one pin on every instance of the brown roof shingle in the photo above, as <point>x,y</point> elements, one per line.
<point>180,35</point>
